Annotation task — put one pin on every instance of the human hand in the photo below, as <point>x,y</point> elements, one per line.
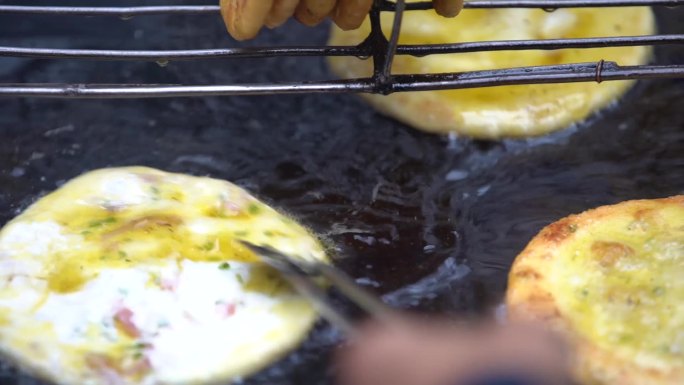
<point>245,18</point>
<point>439,352</point>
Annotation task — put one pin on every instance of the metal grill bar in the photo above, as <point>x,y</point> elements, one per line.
<point>415,50</point>
<point>111,11</point>
<point>385,6</point>
<point>393,42</point>
<point>549,5</point>
<point>222,53</point>
<point>571,73</point>
<point>545,44</point>
<point>376,46</point>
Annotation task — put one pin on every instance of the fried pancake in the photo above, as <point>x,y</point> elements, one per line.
<point>611,280</point>
<point>136,276</point>
<point>509,111</point>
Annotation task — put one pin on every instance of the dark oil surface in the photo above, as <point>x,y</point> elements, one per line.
<point>431,222</point>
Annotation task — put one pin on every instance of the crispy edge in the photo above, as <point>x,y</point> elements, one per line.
<point>530,297</point>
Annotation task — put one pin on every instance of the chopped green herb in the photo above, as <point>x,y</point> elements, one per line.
<point>127,260</point>
<point>240,279</point>
<point>155,190</point>
<point>268,233</point>
<point>100,222</point>
<point>253,209</point>
<point>572,228</point>
<point>277,285</point>
<point>137,355</point>
<point>209,245</point>
<point>122,254</point>
<point>584,292</point>
<point>86,232</point>
<point>224,266</point>
<point>139,345</point>
<point>626,338</point>
<point>240,233</point>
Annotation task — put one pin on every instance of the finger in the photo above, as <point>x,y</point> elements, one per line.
<point>349,14</point>
<point>312,12</point>
<point>448,8</point>
<point>244,18</point>
<point>282,10</point>
<point>407,353</point>
<point>373,364</point>
<point>530,347</point>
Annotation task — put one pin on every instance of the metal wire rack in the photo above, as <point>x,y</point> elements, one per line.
<point>376,46</point>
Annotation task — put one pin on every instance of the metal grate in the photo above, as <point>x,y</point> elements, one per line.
<point>376,46</point>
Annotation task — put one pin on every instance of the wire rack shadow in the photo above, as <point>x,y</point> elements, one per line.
<point>376,47</point>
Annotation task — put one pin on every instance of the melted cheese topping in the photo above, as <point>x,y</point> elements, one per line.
<point>508,111</point>
<point>135,275</point>
<point>620,283</point>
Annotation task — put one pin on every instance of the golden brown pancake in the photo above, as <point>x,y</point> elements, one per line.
<point>611,280</point>
<point>136,276</point>
<point>510,111</point>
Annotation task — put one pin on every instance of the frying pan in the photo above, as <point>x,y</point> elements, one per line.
<point>433,223</point>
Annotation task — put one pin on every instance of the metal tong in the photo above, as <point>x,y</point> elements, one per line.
<point>303,275</point>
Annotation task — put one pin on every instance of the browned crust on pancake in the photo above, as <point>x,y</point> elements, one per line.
<point>530,297</point>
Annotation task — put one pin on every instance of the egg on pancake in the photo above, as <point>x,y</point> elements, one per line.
<point>136,276</point>
<point>506,111</point>
<point>612,280</point>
